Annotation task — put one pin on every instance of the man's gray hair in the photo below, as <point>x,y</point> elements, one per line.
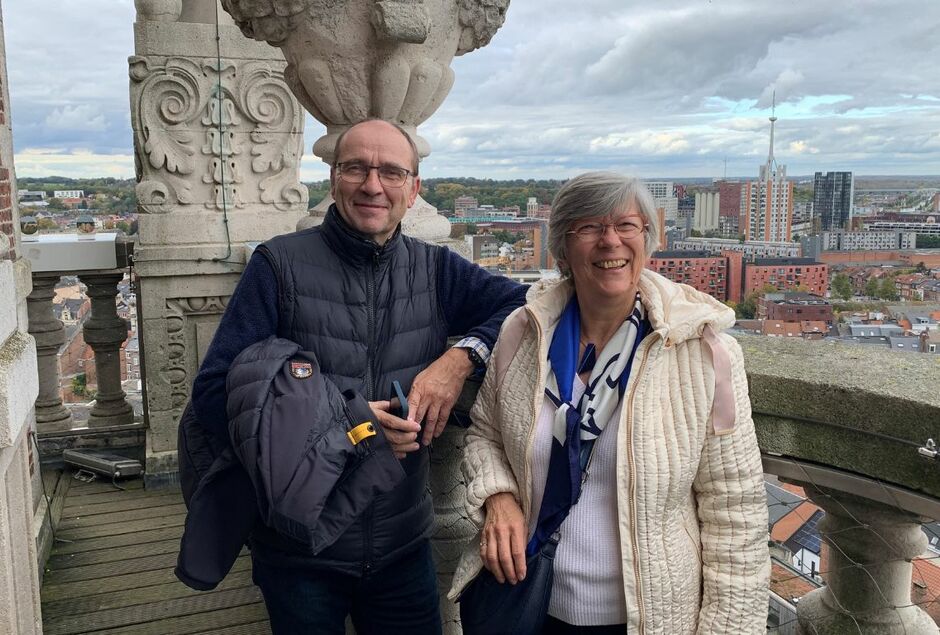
<point>599,194</point>
<point>411,142</point>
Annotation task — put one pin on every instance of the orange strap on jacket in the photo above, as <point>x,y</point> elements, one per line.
<point>360,432</point>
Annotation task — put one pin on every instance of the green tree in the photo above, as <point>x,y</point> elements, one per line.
<point>507,237</point>
<point>317,191</point>
<point>887,290</point>
<point>871,288</point>
<point>802,193</point>
<point>55,204</point>
<point>841,286</point>
<point>747,307</point>
<point>80,385</point>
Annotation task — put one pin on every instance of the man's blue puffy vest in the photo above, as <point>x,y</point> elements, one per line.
<point>371,315</point>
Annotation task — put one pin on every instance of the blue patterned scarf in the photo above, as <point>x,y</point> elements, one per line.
<point>577,426</point>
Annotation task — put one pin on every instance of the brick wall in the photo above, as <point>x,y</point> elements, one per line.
<point>7,231</point>
<point>813,277</point>
<point>784,312</point>
<point>708,275</point>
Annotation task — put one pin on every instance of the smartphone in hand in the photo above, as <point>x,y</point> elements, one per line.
<point>400,411</point>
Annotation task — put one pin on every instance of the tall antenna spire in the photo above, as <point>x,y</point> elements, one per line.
<point>773,118</point>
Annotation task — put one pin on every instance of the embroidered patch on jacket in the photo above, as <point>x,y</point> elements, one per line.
<point>301,370</point>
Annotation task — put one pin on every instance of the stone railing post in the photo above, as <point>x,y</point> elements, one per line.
<point>868,583</point>
<point>105,332</point>
<point>51,413</point>
<point>452,527</point>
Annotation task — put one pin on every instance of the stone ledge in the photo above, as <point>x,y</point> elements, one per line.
<point>192,39</point>
<point>23,275</point>
<point>803,473</point>
<point>128,440</point>
<point>8,293</point>
<point>866,411</point>
<point>19,385</point>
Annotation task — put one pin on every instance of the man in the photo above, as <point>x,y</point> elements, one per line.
<point>374,306</point>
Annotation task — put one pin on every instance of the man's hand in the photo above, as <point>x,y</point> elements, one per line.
<point>435,391</point>
<point>502,543</point>
<point>402,435</point>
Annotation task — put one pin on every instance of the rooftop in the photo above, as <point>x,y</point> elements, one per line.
<point>684,255</point>
<point>767,262</point>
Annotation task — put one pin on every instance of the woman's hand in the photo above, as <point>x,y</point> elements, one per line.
<point>502,545</point>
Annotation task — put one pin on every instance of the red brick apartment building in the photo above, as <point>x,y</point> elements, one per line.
<point>794,307</point>
<point>697,269</point>
<point>786,274</point>
<point>728,277</point>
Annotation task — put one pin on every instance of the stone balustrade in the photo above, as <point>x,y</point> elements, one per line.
<point>111,416</point>
<point>847,423</point>
<point>51,413</point>
<point>105,332</point>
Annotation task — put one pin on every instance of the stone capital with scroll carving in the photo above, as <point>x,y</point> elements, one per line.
<point>216,135</point>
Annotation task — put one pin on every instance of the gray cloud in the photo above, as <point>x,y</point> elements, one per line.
<point>667,88</point>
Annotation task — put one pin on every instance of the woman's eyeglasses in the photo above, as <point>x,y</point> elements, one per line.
<point>593,231</point>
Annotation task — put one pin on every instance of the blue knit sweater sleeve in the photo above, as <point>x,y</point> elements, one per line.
<point>474,301</point>
<point>251,316</point>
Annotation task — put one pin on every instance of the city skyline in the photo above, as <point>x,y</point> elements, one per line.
<point>667,91</point>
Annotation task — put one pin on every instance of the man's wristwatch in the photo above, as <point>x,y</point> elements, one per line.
<point>475,359</point>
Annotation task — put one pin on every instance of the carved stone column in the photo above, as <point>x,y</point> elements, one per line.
<point>218,138</point>
<point>105,332</point>
<point>868,584</point>
<point>49,332</point>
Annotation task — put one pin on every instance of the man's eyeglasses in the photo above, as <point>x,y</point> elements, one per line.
<point>593,231</point>
<point>389,175</point>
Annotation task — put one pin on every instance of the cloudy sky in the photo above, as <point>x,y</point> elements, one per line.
<point>656,88</point>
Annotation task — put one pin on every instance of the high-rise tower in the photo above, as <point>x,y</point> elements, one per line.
<point>769,200</point>
<point>832,199</point>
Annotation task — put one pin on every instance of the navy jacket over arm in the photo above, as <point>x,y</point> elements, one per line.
<point>370,314</point>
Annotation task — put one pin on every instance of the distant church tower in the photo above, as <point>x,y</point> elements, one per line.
<point>769,200</point>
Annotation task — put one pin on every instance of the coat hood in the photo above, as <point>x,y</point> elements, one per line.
<point>676,311</point>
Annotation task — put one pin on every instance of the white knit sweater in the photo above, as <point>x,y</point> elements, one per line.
<point>587,590</point>
<point>691,507</point>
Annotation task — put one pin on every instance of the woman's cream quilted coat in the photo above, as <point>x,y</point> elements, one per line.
<point>693,515</point>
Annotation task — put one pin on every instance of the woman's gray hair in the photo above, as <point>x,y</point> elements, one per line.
<point>599,194</point>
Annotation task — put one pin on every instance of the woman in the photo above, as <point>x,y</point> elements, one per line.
<point>621,370</point>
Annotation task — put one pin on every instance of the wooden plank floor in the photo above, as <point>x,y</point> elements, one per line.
<point>111,571</point>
